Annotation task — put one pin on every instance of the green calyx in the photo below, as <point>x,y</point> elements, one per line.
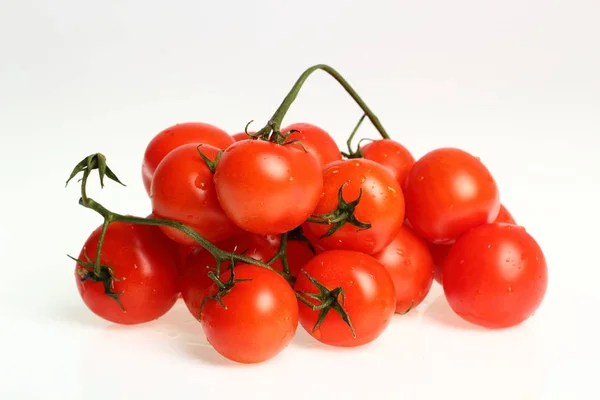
<point>328,300</point>
<point>342,215</point>
<point>86,272</point>
<point>223,287</point>
<point>211,164</point>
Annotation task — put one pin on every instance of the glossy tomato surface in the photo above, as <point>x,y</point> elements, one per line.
<point>409,263</point>
<point>144,261</point>
<point>392,155</point>
<point>183,190</point>
<point>267,188</point>
<point>369,297</point>
<point>381,205</point>
<point>260,318</point>
<point>315,140</point>
<point>495,275</point>
<point>449,191</point>
<point>173,137</point>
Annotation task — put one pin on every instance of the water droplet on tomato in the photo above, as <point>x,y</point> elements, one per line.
<point>421,178</point>
<point>400,252</point>
<point>335,170</point>
<point>510,289</point>
<point>462,262</point>
<point>357,163</point>
<point>391,189</point>
<point>489,246</point>
<point>291,179</point>
<point>363,179</point>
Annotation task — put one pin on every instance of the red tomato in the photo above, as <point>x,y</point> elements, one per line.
<point>392,155</point>
<point>495,276</point>
<point>183,190</point>
<point>410,265</point>
<point>369,297</point>
<point>267,188</point>
<point>195,280</point>
<point>260,319</point>
<point>241,136</point>
<point>381,205</point>
<point>439,252</point>
<point>171,138</point>
<point>315,140</point>
<point>448,192</point>
<point>298,254</point>
<point>144,263</point>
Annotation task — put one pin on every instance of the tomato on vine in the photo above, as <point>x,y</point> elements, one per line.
<point>361,209</point>
<point>346,298</point>
<point>495,275</point>
<point>266,187</point>
<point>315,140</point>
<point>177,135</point>
<point>138,279</point>
<point>252,315</point>
<point>448,191</point>
<point>392,155</point>
<point>183,190</point>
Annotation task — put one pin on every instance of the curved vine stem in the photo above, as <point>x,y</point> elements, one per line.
<point>274,124</point>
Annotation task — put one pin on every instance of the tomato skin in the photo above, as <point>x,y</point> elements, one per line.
<point>448,191</point>
<point>439,252</point>
<point>177,135</point>
<point>238,137</point>
<point>409,263</point>
<point>370,298</point>
<point>195,281</point>
<point>495,276</point>
<point>298,253</point>
<point>260,320</point>
<point>315,140</point>
<point>392,155</point>
<point>183,190</point>
<point>266,188</point>
<point>381,205</point>
<point>146,261</point>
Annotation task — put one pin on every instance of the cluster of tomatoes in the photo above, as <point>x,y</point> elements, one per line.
<point>342,243</point>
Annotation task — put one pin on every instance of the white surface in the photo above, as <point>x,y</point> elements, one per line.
<point>514,82</point>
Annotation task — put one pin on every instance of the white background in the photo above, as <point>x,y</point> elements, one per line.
<point>514,82</point>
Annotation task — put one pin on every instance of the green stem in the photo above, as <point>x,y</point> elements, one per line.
<point>97,266</point>
<point>274,124</point>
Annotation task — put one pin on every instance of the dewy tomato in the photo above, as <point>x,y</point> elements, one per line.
<point>368,299</point>
<point>392,155</point>
<point>381,205</point>
<point>177,135</point>
<point>315,140</point>
<point>495,275</point>
<point>183,190</point>
<point>143,261</point>
<point>267,188</point>
<point>410,265</point>
<point>448,192</point>
<point>260,318</point>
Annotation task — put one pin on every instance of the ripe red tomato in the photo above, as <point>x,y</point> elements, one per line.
<point>410,265</point>
<point>171,138</point>
<point>195,281</point>
<point>260,319</point>
<point>298,254</point>
<point>495,275</point>
<point>315,140</point>
<point>144,263</point>
<point>242,136</point>
<point>267,188</point>
<point>392,155</point>
<point>381,205</point>
<point>448,192</point>
<point>439,252</point>
<point>183,190</point>
<point>369,297</point>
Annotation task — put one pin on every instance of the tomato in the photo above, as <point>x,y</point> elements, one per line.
<point>392,155</point>
<point>242,136</point>
<point>409,263</point>
<point>369,297</point>
<point>298,254</point>
<point>381,205</point>
<point>449,191</point>
<point>195,280</point>
<point>315,140</point>
<point>267,188</point>
<point>495,275</point>
<point>439,252</point>
<point>144,265</point>
<point>183,190</point>
<point>260,320</point>
<point>171,138</point>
